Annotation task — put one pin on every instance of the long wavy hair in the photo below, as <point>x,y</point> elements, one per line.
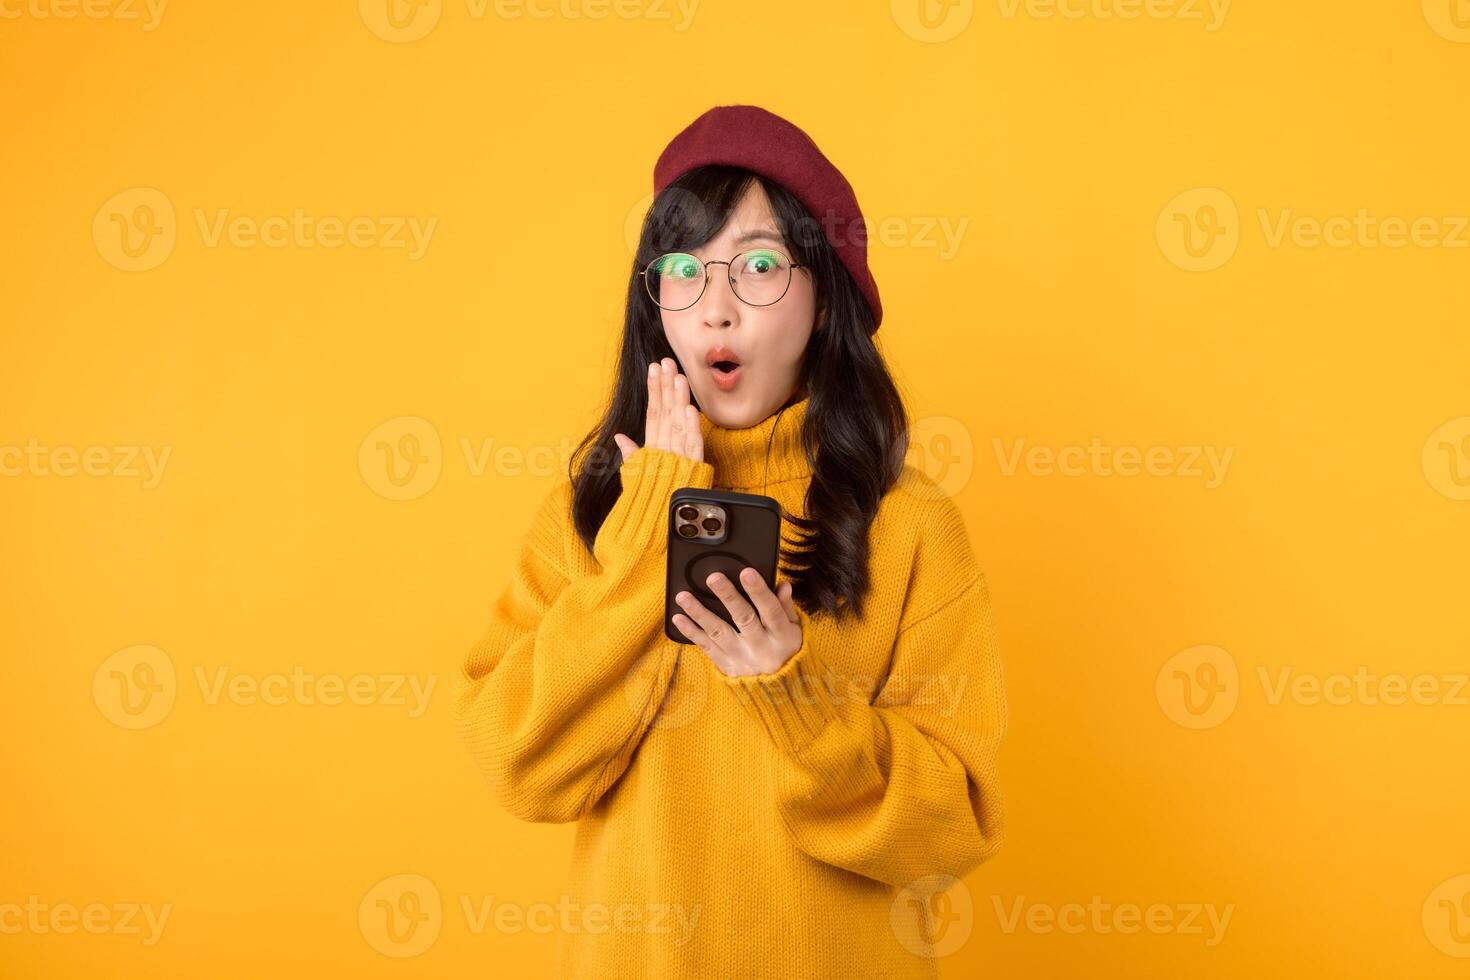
<point>855,433</point>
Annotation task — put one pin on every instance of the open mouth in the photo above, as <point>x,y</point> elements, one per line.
<point>724,365</point>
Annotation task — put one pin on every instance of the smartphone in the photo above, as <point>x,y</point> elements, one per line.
<point>718,531</point>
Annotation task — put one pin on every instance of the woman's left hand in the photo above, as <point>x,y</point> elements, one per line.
<point>765,636</point>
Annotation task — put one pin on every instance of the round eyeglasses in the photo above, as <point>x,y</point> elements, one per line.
<point>758,277</point>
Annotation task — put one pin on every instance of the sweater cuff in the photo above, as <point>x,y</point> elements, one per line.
<point>794,703</point>
<point>639,517</point>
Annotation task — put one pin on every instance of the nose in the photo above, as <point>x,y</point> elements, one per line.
<point>718,307</point>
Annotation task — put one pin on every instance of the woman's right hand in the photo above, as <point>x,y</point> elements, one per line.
<point>672,422</point>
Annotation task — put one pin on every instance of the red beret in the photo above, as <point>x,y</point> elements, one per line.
<point>751,137</point>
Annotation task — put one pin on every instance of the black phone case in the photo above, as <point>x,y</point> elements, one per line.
<point>753,538</point>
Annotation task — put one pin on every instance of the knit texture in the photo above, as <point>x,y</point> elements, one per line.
<point>788,824</point>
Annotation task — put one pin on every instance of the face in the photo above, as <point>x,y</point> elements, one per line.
<point>767,342</point>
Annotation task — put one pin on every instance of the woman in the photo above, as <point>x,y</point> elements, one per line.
<point>789,798</point>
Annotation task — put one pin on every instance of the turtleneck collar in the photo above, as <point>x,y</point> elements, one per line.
<point>739,455</point>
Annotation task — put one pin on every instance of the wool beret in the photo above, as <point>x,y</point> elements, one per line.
<point>756,139</point>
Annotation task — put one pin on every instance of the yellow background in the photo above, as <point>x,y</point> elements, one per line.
<point>271,543</point>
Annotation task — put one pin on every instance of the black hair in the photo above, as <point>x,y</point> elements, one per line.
<point>855,433</point>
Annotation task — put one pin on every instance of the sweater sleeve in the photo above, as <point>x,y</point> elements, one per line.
<point>904,785</point>
<point>544,701</point>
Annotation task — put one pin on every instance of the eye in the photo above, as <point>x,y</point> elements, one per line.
<point>679,266</point>
<point>762,262</point>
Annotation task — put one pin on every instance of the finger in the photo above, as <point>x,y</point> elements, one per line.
<point>694,446</point>
<point>771,611</point>
<point>666,400</point>
<point>699,638</point>
<point>741,612</point>
<point>783,591</point>
<point>625,445</point>
<point>679,414</point>
<point>655,404</point>
<point>716,630</point>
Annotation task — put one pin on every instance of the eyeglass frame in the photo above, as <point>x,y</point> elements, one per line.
<point>728,263</point>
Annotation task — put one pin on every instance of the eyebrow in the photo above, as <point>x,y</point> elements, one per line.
<point>751,236</point>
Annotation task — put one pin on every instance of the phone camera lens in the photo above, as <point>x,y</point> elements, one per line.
<point>712,525</point>
<point>687,513</point>
<point>688,530</point>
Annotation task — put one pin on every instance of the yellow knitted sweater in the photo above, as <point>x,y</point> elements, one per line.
<point>802,823</point>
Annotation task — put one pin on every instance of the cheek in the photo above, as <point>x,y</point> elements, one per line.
<point>681,330</point>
